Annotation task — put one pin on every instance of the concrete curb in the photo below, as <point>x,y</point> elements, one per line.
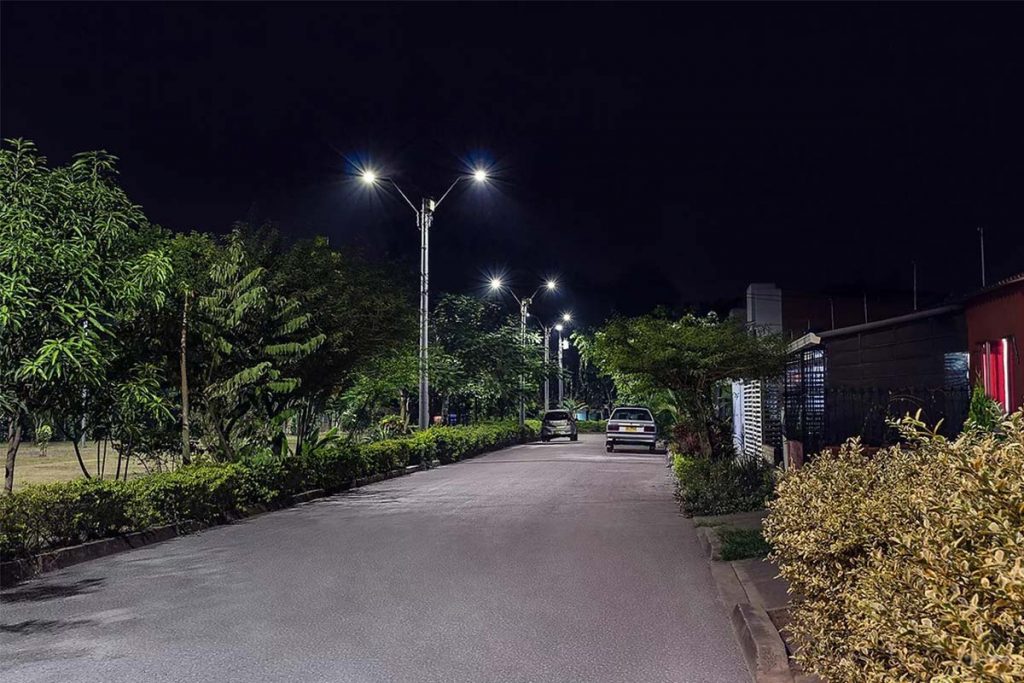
<point>761,645</point>
<point>15,571</point>
<point>759,639</point>
<point>710,542</point>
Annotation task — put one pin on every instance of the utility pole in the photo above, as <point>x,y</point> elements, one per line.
<point>915,284</point>
<point>981,235</point>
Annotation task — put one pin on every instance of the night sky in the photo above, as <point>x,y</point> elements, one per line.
<point>648,154</point>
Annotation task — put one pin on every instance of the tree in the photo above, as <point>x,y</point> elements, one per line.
<point>254,342</point>
<point>687,357</point>
<point>359,309</point>
<point>78,263</point>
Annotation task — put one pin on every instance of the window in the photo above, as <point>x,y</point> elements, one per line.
<point>635,414</point>
<point>993,370</point>
<point>556,415</point>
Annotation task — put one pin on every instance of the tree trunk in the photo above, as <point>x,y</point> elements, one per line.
<point>186,452</point>
<point>13,441</point>
<point>76,443</point>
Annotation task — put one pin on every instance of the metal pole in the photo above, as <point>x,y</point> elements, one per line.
<point>561,381</point>
<point>981,234</point>
<point>424,219</point>
<point>915,285</point>
<point>547,358</point>
<point>522,377</point>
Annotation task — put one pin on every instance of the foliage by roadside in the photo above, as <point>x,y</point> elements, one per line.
<point>910,563</point>
<point>54,515</point>
<point>742,544</point>
<point>717,487</point>
<point>657,358</point>
<point>591,426</point>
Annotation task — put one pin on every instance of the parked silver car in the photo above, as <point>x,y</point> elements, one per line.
<point>557,423</point>
<point>631,426</point>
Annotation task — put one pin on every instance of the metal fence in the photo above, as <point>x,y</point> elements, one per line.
<point>865,412</point>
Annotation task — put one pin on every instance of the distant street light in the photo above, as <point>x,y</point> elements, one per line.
<point>524,312</point>
<point>424,218</point>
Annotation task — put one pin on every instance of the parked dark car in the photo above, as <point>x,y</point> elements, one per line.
<point>631,426</point>
<point>556,423</point>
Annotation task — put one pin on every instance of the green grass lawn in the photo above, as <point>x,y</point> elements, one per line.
<point>741,544</point>
<point>60,464</point>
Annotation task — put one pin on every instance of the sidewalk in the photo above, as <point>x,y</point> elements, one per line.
<point>758,600</point>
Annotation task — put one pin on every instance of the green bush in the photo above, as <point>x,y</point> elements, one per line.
<point>741,544</point>
<point>68,513</point>
<point>591,426</point>
<point>909,564</point>
<point>717,487</point>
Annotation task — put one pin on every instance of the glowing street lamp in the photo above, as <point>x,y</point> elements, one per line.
<point>424,219</point>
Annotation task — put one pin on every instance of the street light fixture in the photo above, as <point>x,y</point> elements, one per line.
<point>424,218</point>
<point>524,313</point>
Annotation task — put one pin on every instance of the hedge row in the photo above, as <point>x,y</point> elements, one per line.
<point>46,516</point>
<point>909,563</point>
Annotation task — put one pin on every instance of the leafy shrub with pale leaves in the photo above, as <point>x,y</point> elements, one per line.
<point>909,564</point>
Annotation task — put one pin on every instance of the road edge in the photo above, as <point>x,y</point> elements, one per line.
<point>13,572</point>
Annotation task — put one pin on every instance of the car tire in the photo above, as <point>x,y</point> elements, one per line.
<point>574,437</point>
<point>654,448</point>
<point>610,448</point>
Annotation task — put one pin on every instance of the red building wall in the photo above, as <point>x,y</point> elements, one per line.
<point>994,314</point>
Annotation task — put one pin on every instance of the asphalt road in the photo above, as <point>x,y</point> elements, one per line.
<point>545,562</point>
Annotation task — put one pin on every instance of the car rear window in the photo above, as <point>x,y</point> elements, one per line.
<point>638,414</point>
<point>556,415</point>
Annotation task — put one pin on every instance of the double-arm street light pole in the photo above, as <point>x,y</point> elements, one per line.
<point>524,312</point>
<point>424,219</point>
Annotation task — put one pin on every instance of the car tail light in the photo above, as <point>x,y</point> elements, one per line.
<point>613,428</point>
<point>648,429</point>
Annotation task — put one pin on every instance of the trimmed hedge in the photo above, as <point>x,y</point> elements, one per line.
<point>908,564</point>
<point>46,516</point>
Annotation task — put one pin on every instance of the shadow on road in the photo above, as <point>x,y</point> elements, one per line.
<point>43,626</point>
<point>48,591</point>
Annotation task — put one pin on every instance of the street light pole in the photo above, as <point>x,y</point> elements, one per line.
<point>547,359</point>
<point>561,380</point>
<point>524,312</point>
<point>566,318</point>
<point>424,219</point>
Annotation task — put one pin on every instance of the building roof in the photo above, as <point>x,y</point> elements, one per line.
<point>812,339</point>
<point>1005,282</point>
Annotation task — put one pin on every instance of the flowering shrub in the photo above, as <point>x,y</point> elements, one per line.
<point>909,564</point>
